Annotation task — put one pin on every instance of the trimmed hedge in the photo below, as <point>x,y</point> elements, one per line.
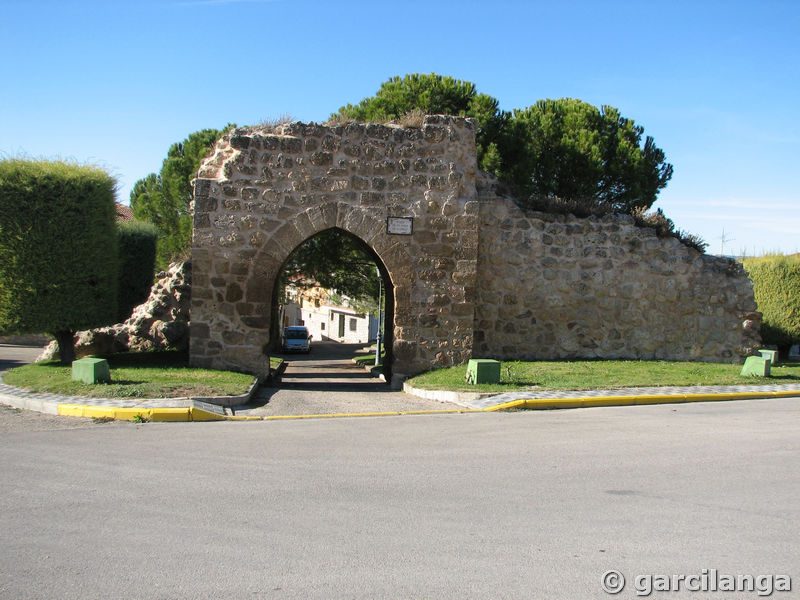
<point>776,285</point>
<point>137,259</point>
<point>58,248</point>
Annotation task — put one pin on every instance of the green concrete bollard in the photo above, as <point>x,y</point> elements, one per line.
<point>91,370</point>
<point>483,370</point>
<point>772,355</point>
<point>756,366</point>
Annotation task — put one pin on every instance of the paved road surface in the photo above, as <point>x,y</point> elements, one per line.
<point>327,381</point>
<point>12,419</point>
<point>15,356</point>
<point>517,505</point>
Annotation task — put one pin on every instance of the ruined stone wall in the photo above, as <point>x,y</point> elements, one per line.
<point>264,192</point>
<point>477,278</point>
<point>553,286</point>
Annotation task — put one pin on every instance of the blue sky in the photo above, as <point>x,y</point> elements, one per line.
<point>717,84</point>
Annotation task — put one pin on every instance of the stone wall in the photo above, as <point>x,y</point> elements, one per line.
<point>264,192</point>
<point>555,286</point>
<point>476,278</point>
<point>158,323</point>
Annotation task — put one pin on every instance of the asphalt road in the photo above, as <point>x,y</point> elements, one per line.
<point>516,505</point>
<point>12,419</point>
<point>12,355</point>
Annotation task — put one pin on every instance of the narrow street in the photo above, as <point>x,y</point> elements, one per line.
<point>328,381</point>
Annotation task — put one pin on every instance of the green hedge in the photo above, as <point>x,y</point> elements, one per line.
<point>58,248</point>
<point>776,285</point>
<point>137,259</point>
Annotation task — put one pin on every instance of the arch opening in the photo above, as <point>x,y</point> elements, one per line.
<point>337,286</point>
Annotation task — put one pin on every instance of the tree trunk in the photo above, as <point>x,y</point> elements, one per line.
<point>66,346</point>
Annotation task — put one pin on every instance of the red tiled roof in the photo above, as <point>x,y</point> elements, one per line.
<point>124,213</point>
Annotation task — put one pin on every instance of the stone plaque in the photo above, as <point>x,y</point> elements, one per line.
<point>400,225</point>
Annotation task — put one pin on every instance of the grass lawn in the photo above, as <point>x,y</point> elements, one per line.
<point>163,374</point>
<point>602,374</point>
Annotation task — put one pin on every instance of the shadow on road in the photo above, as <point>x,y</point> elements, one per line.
<point>327,369</point>
<point>17,355</point>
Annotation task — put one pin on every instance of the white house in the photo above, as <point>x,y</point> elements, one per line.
<point>325,320</point>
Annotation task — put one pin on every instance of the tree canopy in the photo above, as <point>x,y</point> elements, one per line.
<point>58,249</point>
<point>570,149</point>
<point>137,257</point>
<point>562,149</point>
<point>337,261</point>
<point>566,149</point>
<point>163,199</point>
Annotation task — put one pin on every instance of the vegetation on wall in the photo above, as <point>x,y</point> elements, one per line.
<point>776,286</point>
<point>419,94</point>
<point>137,256</point>
<point>58,249</point>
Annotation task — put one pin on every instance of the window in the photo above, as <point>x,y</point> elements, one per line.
<point>353,325</point>
<point>322,326</point>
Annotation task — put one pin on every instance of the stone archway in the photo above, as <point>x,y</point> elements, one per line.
<point>263,192</point>
<point>387,296</point>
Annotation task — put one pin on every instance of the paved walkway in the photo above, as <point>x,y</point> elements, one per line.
<point>327,382</point>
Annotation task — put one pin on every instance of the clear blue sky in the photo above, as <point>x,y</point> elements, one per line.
<point>717,84</point>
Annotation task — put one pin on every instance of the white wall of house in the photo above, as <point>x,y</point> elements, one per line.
<point>313,309</point>
<point>339,324</point>
<point>292,314</point>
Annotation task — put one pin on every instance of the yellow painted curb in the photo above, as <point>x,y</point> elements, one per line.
<point>131,414</point>
<point>198,414</point>
<point>590,401</point>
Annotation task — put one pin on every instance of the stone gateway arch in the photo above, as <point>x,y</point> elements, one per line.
<point>470,274</point>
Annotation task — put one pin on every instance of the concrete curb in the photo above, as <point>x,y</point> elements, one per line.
<point>231,400</point>
<point>35,404</point>
<point>640,400</point>
<point>189,413</point>
<point>460,398</point>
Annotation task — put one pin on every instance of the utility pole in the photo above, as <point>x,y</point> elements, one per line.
<point>380,318</point>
